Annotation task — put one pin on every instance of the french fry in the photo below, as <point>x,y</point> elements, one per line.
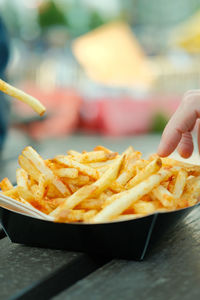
<point>29,167</point>
<point>94,156</point>
<point>144,207</point>
<point>128,171</point>
<point>25,196</point>
<point>103,186</point>
<point>180,183</point>
<point>22,178</point>
<point>130,150</point>
<point>53,192</point>
<point>39,163</point>
<point>41,188</point>
<point>128,217</point>
<point>100,164</point>
<point>91,190</point>
<point>125,199</point>
<point>13,193</point>
<point>191,195</point>
<point>6,185</point>
<point>109,176</point>
<point>102,148</point>
<point>150,169</point>
<point>190,168</point>
<point>116,187</point>
<point>69,215</point>
<point>66,172</point>
<point>74,164</point>
<point>54,203</point>
<point>75,199</point>
<point>73,153</point>
<point>87,216</point>
<point>91,204</point>
<point>164,196</point>
<point>79,181</point>
<point>102,169</point>
<point>18,94</point>
<point>73,187</point>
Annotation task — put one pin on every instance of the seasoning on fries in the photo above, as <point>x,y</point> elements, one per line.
<point>103,186</point>
<point>16,93</point>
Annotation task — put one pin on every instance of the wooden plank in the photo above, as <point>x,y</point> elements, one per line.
<point>36,273</point>
<point>171,271</point>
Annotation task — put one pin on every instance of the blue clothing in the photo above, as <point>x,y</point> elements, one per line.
<point>4,104</point>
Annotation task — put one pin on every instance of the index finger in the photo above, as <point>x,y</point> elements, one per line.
<point>181,122</point>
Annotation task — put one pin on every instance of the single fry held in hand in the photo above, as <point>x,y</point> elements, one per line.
<point>103,186</point>
<point>20,95</point>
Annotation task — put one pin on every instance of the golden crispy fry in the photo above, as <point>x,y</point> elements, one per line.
<point>100,164</point>
<point>130,150</point>
<point>39,163</point>
<point>128,170</point>
<point>101,148</point>
<point>191,169</point>
<point>69,215</point>
<point>73,188</point>
<point>103,186</point>
<point>191,195</point>
<point>102,169</point>
<point>128,217</point>
<point>54,203</point>
<point>73,153</point>
<point>109,176</point>
<point>91,190</point>
<point>42,185</point>
<point>94,156</point>
<point>116,187</point>
<point>79,181</point>
<point>150,169</point>
<point>169,185</point>
<point>74,164</point>
<point>87,216</point>
<point>144,207</point>
<point>13,193</point>
<point>66,172</point>
<point>53,192</point>
<point>6,185</point>
<point>125,199</point>
<point>75,199</point>
<point>180,183</point>
<point>22,178</point>
<point>16,93</point>
<point>25,194</point>
<point>29,167</point>
<point>164,196</point>
<point>91,204</point>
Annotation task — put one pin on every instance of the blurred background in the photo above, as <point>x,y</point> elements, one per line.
<point>109,72</point>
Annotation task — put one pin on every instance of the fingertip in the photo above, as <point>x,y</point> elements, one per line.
<point>186,147</point>
<point>164,149</point>
<point>184,154</point>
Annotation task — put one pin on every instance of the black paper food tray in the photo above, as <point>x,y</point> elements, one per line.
<point>128,239</point>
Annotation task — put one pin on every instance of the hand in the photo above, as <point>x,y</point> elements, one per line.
<point>177,133</point>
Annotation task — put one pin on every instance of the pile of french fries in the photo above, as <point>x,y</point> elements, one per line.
<point>103,186</point>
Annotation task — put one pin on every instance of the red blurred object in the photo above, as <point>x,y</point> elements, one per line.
<point>124,116</point>
<point>62,115</point>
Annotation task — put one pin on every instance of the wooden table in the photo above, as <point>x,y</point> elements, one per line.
<point>171,270</point>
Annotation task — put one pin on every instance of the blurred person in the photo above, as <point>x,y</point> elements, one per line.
<point>177,133</point>
<point>4,104</point>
